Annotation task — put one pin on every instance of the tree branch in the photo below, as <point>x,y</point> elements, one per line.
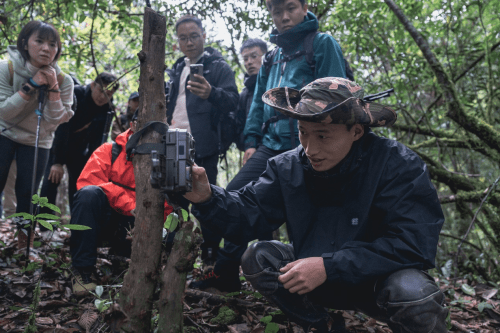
<point>469,196</point>
<point>456,110</point>
<point>424,131</point>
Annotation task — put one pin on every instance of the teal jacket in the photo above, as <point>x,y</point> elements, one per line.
<point>297,74</point>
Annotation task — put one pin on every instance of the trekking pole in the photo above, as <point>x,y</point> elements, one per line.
<point>41,97</point>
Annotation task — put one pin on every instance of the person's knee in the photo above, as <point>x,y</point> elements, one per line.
<point>265,255</point>
<point>89,195</point>
<point>413,302</point>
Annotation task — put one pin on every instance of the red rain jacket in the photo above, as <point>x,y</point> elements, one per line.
<point>117,180</point>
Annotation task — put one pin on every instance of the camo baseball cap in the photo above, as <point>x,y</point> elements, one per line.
<point>330,100</point>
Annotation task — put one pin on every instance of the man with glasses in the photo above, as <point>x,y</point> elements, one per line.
<point>196,105</point>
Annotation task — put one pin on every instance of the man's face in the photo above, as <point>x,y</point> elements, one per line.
<point>191,39</point>
<point>99,94</point>
<point>133,104</point>
<point>252,57</point>
<point>327,144</point>
<point>287,14</point>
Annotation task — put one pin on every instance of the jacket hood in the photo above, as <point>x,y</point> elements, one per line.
<point>123,138</point>
<point>289,39</point>
<point>250,81</point>
<point>19,63</point>
<point>209,55</point>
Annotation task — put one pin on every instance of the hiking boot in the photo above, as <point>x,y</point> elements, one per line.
<point>225,281</point>
<point>81,281</point>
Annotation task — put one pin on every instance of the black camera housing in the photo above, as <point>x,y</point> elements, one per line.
<point>171,173</point>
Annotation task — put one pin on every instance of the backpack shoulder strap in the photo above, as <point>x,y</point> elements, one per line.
<point>269,59</point>
<point>11,72</point>
<point>115,151</point>
<point>309,49</point>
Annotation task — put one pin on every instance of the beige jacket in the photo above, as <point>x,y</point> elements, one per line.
<point>18,120</point>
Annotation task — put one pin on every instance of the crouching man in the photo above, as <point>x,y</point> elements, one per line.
<point>105,202</point>
<point>362,215</point>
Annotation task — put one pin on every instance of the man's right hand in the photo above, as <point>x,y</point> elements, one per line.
<point>201,187</point>
<point>248,153</point>
<point>56,173</point>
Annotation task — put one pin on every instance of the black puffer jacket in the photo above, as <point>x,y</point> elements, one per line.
<point>244,104</point>
<point>377,212</point>
<point>204,114</point>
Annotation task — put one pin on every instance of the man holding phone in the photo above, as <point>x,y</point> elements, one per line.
<point>201,87</point>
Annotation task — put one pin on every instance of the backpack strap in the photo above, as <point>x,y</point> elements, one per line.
<point>115,151</point>
<point>309,49</point>
<point>11,72</point>
<point>269,59</point>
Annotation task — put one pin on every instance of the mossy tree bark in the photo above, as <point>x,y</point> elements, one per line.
<point>140,282</point>
<point>173,281</point>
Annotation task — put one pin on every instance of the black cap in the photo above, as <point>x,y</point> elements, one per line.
<point>133,95</point>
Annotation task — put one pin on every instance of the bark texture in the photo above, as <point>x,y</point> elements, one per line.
<point>140,281</point>
<point>173,281</point>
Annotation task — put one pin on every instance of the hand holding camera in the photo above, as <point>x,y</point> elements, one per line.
<point>197,84</point>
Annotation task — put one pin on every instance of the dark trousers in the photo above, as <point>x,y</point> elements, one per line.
<point>409,301</point>
<point>75,164</point>
<point>211,240</point>
<point>25,156</point>
<point>230,255</point>
<point>108,228</point>
<point>49,190</point>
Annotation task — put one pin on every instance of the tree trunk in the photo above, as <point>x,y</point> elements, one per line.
<point>173,280</point>
<point>140,282</point>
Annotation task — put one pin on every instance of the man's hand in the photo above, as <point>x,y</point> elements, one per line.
<point>56,173</point>
<point>248,153</point>
<point>303,275</point>
<point>201,187</point>
<point>200,88</point>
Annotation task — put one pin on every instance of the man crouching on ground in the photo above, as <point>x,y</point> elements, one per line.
<point>362,215</point>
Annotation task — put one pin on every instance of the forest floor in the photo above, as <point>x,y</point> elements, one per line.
<point>475,309</point>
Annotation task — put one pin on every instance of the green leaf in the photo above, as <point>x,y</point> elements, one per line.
<point>25,216</point>
<point>266,319</point>
<point>76,227</point>
<point>99,290</point>
<point>468,289</point>
<point>46,224</point>
<point>51,206</point>
<point>484,305</point>
<point>171,222</point>
<point>272,328</point>
<point>185,215</point>
<point>15,308</point>
<point>47,216</point>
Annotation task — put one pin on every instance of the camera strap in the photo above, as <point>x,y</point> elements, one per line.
<point>146,148</point>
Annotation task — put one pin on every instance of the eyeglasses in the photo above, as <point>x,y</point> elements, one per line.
<point>192,38</point>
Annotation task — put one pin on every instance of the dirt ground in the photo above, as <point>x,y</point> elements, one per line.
<point>475,309</point>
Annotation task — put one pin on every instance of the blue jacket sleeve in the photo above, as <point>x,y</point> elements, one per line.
<point>247,214</point>
<point>411,222</point>
<point>253,125</point>
<point>328,57</point>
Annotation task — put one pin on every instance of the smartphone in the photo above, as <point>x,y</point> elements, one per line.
<point>195,69</point>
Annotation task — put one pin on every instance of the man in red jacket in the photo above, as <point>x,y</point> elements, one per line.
<point>105,202</point>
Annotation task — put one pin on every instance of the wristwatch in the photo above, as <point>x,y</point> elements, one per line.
<point>28,90</point>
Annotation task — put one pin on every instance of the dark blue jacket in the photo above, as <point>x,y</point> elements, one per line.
<point>204,114</point>
<point>375,213</point>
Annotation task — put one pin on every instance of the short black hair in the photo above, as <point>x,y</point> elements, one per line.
<point>46,31</point>
<point>270,3</point>
<point>106,78</point>
<point>189,18</point>
<point>249,43</point>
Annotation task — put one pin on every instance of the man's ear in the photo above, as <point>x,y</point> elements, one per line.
<point>305,7</point>
<point>92,85</point>
<point>359,130</point>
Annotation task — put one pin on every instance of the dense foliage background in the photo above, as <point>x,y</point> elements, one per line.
<point>458,139</point>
